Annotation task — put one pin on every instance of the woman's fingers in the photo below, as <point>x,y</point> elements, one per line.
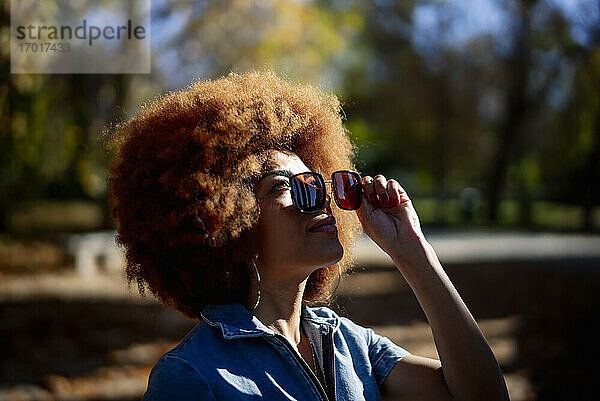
<point>367,182</point>
<point>395,191</point>
<point>374,187</point>
<point>380,187</point>
<point>399,194</point>
<point>382,192</point>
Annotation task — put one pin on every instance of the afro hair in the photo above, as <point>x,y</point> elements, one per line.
<point>183,182</point>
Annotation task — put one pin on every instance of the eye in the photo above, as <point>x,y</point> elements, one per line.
<point>280,185</point>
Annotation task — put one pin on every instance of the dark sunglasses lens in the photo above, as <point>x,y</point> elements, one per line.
<point>347,189</point>
<point>308,192</point>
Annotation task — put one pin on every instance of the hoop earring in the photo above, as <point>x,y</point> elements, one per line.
<point>257,285</point>
<point>313,301</point>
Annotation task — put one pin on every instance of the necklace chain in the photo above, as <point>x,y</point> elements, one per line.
<point>312,351</point>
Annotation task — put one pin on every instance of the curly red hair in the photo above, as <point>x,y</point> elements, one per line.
<point>184,175</point>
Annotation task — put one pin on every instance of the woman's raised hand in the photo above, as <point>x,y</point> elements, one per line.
<point>387,215</point>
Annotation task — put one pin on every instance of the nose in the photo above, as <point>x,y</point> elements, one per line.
<point>327,206</point>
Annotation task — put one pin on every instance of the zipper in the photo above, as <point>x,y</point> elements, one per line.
<point>299,359</point>
<point>329,362</point>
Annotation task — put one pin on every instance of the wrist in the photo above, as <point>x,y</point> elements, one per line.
<point>412,252</point>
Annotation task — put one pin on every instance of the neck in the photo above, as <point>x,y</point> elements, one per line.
<point>280,307</point>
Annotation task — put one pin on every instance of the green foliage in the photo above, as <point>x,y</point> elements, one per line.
<point>438,121</point>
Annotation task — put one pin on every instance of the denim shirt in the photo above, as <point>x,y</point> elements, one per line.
<point>231,355</point>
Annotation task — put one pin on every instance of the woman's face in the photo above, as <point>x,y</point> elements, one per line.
<point>287,245</point>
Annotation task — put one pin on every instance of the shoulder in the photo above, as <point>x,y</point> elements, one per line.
<point>198,342</point>
<point>179,374</point>
<point>180,356</point>
<point>175,378</point>
<point>182,360</point>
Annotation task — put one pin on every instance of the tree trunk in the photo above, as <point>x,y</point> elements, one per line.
<point>515,111</point>
<point>440,148</point>
<point>121,83</point>
<point>592,173</point>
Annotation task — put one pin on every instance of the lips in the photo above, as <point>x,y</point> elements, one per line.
<point>323,224</point>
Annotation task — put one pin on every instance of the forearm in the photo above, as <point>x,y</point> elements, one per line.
<point>470,369</point>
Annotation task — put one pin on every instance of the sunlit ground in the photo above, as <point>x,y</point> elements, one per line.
<point>70,336</point>
<point>92,340</point>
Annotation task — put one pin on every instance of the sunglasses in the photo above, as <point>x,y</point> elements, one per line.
<point>309,192</point>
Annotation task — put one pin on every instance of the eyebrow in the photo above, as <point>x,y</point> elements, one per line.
<point>285,173</point>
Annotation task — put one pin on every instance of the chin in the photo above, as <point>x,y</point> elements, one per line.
<point>322,253</point>
<point>333,257</point>
<point>340,254</point>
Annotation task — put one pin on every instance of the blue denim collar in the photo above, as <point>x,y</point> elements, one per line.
<point>236,321</point>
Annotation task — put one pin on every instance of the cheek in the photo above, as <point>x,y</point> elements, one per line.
<point>279,222</point>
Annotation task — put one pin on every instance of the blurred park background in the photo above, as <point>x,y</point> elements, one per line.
<point>486,111</point>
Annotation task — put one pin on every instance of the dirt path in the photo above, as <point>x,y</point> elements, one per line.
<point>68,337</point>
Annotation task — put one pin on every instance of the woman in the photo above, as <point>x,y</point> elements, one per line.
<point>224,215</point>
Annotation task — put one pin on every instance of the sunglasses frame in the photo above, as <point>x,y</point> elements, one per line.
<point>333,189</point>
